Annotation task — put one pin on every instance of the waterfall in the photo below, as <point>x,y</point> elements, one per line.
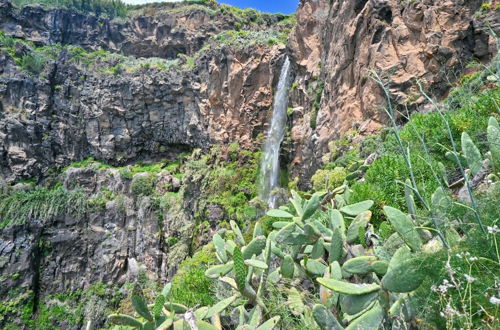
<point>269,169</point>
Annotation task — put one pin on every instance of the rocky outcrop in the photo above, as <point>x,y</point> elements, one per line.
<point>163,31</point>
<point>71,112</point>
<point>123,234</point>
<point>337,42</point>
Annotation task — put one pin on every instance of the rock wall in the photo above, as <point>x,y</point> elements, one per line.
<point>337,43</point>
<point>123,236</point>
<point>70,113</point>
<point>163,32</point>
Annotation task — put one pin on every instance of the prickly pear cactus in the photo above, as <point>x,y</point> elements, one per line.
<point>494,142</point>
<point>358,286</point>
<point>471,154</point>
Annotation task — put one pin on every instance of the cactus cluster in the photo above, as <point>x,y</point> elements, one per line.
<point>357,287</point>
<point>164,314</point>
<point>327,243</point>
<point>471,158</point>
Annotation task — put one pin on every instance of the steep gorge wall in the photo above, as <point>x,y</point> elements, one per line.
<point>70,113</point>
<point>337,42</point>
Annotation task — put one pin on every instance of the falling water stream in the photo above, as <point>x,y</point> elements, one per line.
<point>269,173</point>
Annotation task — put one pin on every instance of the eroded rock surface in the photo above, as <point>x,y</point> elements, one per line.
<point>71,112</point>
<point>337,43</point>
<point>122,235</point>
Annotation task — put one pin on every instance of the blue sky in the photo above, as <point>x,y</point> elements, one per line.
<point>281,6</point>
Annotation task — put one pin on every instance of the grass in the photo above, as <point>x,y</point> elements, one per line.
<point>471,269</point>
<point>233,184</point>
<point>129,171</point>
<point>190,286</point>
<point>36,58</point>
<point>72,308</point>
<point>41,203</point>
<point>241,40</point>
<point>107,8</point>
<point>385,175</point>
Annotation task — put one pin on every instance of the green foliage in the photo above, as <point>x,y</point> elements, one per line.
<point>494,142</point>
<point>247,39</point>
<point>383,181</point>
<point>36,58</point>
<point>230,184</point>
<point>389,172</point>
<point>318,93</point>
<point>129,171</point>
<point>267,223</point>
<point>40,203</point>
<point>109,8</point>
<point>142,185</point>
<point>363,190</point>
<point>70,308</point>
<point>190,286</point>
<point>471,118</point>
<point>7,41</point>
<point>328,179</point>
<point>385,230</point>
<point>471,154</point>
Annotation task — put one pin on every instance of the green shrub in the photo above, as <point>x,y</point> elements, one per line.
<point>471,118</point>
<point>35,61</point>
<point>318,93</point>
<point>472,262</point>
<point>246,39</point>
<point>267,223</point>
<point>40,203</point>
<point>110,8</point>
<point>233,150</point>
<point>142,185</point>
<point>389,172</point>
<point>7,41</point>
<point>367,191</point>
<point>233,184</point>
<point>190,286</point>
<point>385,230</point>
<point>328,179</point>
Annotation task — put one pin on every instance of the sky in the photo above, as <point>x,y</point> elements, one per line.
<point>272,6</point>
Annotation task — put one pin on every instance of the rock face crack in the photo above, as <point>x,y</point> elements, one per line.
<point>334,40</point>
<point>35,262</point>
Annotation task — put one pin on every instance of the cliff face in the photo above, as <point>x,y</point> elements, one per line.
<point>337,43</point>
<point>71,112</point>
<point>111,243</point>
<point>119,92</point>
<point>149,32</point>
